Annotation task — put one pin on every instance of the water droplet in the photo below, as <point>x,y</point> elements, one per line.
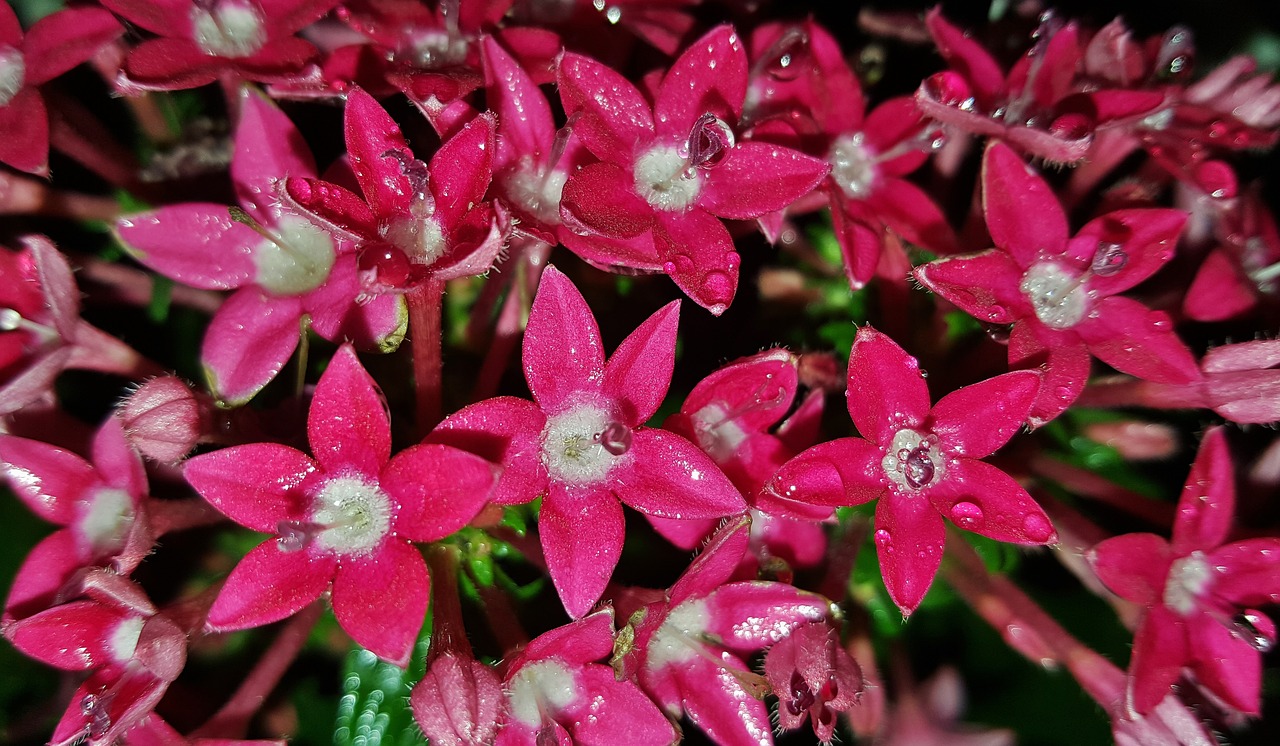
<point>917,466</point>
<point>615,438</point>
<point>96,709</point>
<point>1064,393</point>
<point>710,141</point>
<point>613,14</point>
<point>1109,259</point>
<point>1071,127</point>
<point>947,88</point>
<point>788,55</point>
<point>966,515</point>
<point>1254,628</point>
<point>1037,527</point>
<point>882,539</point>
<point>802,697</point>
<point>294,536</point>
<point>718,287</point>
<point>1176,53</point>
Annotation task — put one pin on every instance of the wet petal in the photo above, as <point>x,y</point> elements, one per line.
<point>909,539</point>
<point>709,76</point>
<point>582,534</point>
<point>1225,664</point>
<point>73,637</point>
<point>886,392</point>
<point>257,485</point>
<point>381,599</point>
<point>462,169</point>
<point>562,350</point>
<point>716,564</point>
<point>670,478</point>
<point>1159,652</point>
<point>378,154</point>
<point>976,420</point>
<point>197,244</point>
<point>978,497</point>
<point>1249,572</point>
<point>1023,215</point>
<point>506,431</point>
<point>439,489</point>
<point>615,117</point>
<point>748,616</point>
<point>1133,339</point>
<point>348,425</point>
<point>269,148</point>
<point>1208,499</point>
<point>1133,566</point>
<point>638,373</point>
<point>699,256</point>
<point>983,285</point>
<point>269,585</point>
<point>248,342</point>
<point>845,471</point>
<point>758,178</point>
<point>49,480</point>
<point>717,702</point>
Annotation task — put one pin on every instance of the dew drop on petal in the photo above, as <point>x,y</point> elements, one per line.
<point>1109,259</point>
<point>1255,628</point>
<point>947,88</point>
<point>786,58</point>
<point>1036,527</point>
<point>615,438</point>
<point>966,515</point>
<point>882,539</point>
<point>710,141</point>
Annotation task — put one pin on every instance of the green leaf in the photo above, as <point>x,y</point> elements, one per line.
<point>161,299</point>
<point>374,708</point>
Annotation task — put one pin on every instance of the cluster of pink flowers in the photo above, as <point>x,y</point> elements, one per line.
<point>498,158</point>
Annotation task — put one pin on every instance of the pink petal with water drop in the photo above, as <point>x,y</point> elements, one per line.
<point>709,76</point>
<point>669,477</point>
<point>248,342</point>
<point>348,426</point>
<point>195,243</point>
<point>1022,213</point>
<point>978,419</point>
<point>462,169</point>
<point>1159,653</point>
<point>757,178</point>
<point>1133,339</point>
<point>439,489</point>
<point>614,115</point>
<point>887,391</point>
<point>507,431</point>
<point>257,485</point>
<point>638,372</point>
<point>978,497</point>
<point>1208,501</point>
<point>562,350</point>
<point>909,539</point>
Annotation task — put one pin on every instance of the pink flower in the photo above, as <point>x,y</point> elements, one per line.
<point>558,692</point>
<point>458,702</point>
<point>669,171</point>
<point>100,506</point>
<point>203,40</point>
<point>1060,292</point>
<point>922,462</point>
<point>347,518</point>
<point>687,646</point>
<point>132,652</point>
<point>1199,592</point>
<point>1242,270</point>
<point>414,220</point>
<point>285,268</point>
<point>51,47</point>
<point>581,445</point>
<point>812,676</point>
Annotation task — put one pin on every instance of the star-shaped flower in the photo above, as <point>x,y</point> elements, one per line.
<point>582,445</point>
<point>1200,592</point>
<point>922,462</point>
<point>1060,292</point>
<point>348,517</point>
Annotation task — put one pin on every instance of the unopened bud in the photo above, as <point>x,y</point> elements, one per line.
<point>164,419</point>
<point>458,701</point>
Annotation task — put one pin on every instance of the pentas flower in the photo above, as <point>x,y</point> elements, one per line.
<point>1060,292</point>
<point>1201,594</point>
<point>284,268</point>
<point>412,220</point>
<point>922,463</point>
<point>929,714</point>
<point>731,415</point>
<point>1243,269</point>
<point>201,41</point>
<point>51,47</point>
<point>348,517</point>
<point>581,445</point>
<point>687,647</point>
<point>813,677</point>
<point>559,692</point>
<point>870,153</point>
<point>1040,106</point>
<point>132,653</point>
<point>100,505</point>
<point>669,171</point>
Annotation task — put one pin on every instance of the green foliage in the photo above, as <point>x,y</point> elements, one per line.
<point>374,708</point>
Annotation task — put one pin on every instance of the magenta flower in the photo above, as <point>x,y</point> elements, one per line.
<point>51,47</point>
<point>100,506</point>
<point>922,462</point>
<point>1243,269</point>
<point>870,153</point>
<point>669,171</point>
<point>687,646</point>
<point>132,652</point>
<point>1200,593</point>
<point>204,40</point>
<point>1060,291</point>
<point>285,268</point>
<point>581,445</point>
<point>347,518</point>
<point>558,692</point>
<point>812,676</point>
<point>414,220</point>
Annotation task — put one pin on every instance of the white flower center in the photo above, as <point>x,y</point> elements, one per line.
<point>13,72</point>
<point>913,461</point>
<point>719,433</point>
<point>1057,295</point>
<point>853,166</point>
<point>665,179</point>
<point>544,687</point>
<point>230,28</point>
<point>124,638</point>
<point>354,516</point>
<point>432,48</point>
<point>420,238</point>
<point>294,260</point>
<point>107,520</point>
<point>582,444</point>
<point>679,635</point>
<point>537,191</point>
<point>1189,578</point>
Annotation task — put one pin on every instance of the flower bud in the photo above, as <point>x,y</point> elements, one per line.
<point>164,419</point>
<point>458,701</point>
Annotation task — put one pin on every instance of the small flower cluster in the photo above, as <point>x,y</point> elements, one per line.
<point>503,167</point>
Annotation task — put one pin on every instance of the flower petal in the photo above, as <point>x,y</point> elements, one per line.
<point>670,478</point>
<point>269,148</point>
<point>717,702</point>
<point>1064,359</point>
<point>748,616</point>
<point>758,178</point>
<point>196,243</point>
<point>980,498</point>
<point>439,489</point>
<point>717,563</point>
<point>1159,652</point>
<point>1145,241</point>
<point>118,462</point>
<point>381,600</point>
<point>983,285</point>
<point>507,431</point>
<point>699,256</point>
<point>379,155</point>
<point>614,116</point>
<point>50,480</point>
<point>348,425</point>
<point>1225,664</point>
<point>1023,215</point>
<point>339,313</point>
<point>72,637</point>
<point>1133,566</point>
<point>1133,339</point>
<point>844,471</point>
<point>1208,499</point>
<point>976,420</point>
<point>582,534</point>
<point>709,76</point>
<point>562,350</point>
<point>44,575</point>
<point>912,214</point>
<point>966,56</point>
<point>24,132</point>
<point>270,584</point>
<point>60,41</point>
<point>616,712</point>
<point>248,342</point>
<point>601,198</point>
<point>909,539</point>
<point>524,116</point>
<point>1249,572</point>
<point>257,485</point>
<point>638,373</point>
<point>886,392</point>
<point>461,170</point>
